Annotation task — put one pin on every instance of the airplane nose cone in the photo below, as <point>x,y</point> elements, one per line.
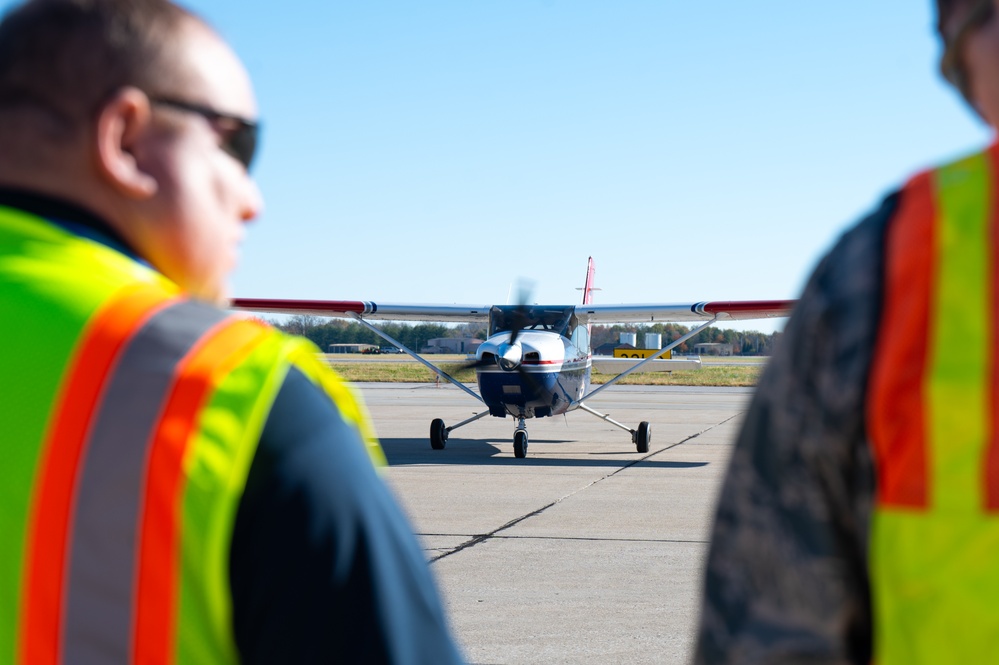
<point>509,356</point>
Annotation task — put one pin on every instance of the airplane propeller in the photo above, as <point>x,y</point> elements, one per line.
<point>510,354</point>
<point>519,315</point>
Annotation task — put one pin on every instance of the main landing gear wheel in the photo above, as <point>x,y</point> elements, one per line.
<point>438,434</point>
<point>642,437</point>
<point>520,443</point>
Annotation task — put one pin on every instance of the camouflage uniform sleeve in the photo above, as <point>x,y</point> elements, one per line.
<point>786,576</point>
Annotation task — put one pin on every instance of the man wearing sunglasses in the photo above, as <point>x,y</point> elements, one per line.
<point>179,484</point>
<point>859,518</point>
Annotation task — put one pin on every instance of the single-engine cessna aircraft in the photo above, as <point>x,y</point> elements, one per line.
<point>536,360</point>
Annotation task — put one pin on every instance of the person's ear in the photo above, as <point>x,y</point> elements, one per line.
<point>122,125</point>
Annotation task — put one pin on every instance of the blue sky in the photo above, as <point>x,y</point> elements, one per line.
<point>438,151</point>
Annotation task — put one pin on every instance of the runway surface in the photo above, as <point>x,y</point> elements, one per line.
<point>584,552</point>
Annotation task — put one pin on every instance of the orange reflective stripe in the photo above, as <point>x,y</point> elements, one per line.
<point>896,407</point>
<point>50,523</point>
<point>214,356</point>
<point>991,461</point>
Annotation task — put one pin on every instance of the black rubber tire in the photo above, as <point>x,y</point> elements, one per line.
<point>520,444</point>
<point>643,436</point>
<point>438,434</point>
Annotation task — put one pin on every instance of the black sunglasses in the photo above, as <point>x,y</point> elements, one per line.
<point>951,65</point>
<point>239,135</point>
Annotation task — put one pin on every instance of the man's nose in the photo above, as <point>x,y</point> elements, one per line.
<point>253,201</point>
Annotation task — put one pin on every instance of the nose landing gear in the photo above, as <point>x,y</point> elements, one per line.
<point>520,440</point>
<point>641,437</point>
<point>439,433</point>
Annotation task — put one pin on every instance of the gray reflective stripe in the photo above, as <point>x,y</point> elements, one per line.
<point>103,545</point>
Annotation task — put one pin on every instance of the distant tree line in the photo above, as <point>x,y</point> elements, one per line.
<point>323,332</point>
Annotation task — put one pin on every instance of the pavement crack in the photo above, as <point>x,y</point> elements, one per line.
<point>596,539</point>
<point>486,536</point>
<point>662,450</point>
<point>481,538</point>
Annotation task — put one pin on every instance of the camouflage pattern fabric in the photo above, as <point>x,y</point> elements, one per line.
<point>786,578</point>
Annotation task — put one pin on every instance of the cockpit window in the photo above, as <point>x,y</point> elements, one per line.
<point>554,319</point>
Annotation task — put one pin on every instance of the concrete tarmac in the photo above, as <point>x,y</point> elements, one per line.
<point>584,552</point>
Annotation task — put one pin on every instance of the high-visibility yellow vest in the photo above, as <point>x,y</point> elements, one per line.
<point>129,417</point>
<point>933,418</point>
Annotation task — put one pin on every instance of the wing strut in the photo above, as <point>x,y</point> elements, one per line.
<point>663,350</point>
<point>436,370</point>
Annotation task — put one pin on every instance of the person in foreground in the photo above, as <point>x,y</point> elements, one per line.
<point>179,484</point>
<point>859,520</point>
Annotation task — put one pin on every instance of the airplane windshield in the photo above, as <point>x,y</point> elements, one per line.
<point>554,319</point>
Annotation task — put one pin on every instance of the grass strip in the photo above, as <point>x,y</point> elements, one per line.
<point>409,372</point>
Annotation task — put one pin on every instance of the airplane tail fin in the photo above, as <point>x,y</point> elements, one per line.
<point>588,286</point>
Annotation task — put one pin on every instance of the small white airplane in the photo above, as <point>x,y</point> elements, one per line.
<point>536,360</point>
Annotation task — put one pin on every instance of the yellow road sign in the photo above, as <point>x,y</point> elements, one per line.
<point>641,353</point>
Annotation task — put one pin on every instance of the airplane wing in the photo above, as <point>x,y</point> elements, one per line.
<point>701,311</point>
<point>587,313</point>
<point>365,309</point>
